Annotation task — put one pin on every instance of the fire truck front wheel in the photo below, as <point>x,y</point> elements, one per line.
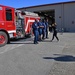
<point>3,38</point>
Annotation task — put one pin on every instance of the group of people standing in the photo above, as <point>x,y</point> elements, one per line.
<point>40,30</point>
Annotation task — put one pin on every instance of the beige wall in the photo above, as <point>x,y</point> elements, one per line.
<point>69,17</point>
<point>64,15</point>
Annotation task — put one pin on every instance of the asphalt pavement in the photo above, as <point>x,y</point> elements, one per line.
<point>22,57</point>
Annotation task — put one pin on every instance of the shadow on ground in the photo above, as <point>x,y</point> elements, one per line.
<point>22,43</point>
<point>62,58</point>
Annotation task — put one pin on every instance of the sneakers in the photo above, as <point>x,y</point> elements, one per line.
<point>47,37</point>
<point>57,40</point>
<point>35,42</point>
<point>52,40</point>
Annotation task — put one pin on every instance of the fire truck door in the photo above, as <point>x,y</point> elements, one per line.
<point>9,15</point>
<point>20,27</point>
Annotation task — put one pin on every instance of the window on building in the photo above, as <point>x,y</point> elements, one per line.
<point>8,14</point>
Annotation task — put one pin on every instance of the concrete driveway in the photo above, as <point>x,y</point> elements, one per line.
<point>22,57</point>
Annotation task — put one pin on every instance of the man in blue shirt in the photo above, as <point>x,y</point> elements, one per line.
<point>44,29</point>
<point>40,29</point>
<point>35,31</point>
<point>46,22</point>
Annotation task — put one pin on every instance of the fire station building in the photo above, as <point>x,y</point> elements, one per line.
<point>62,13</point>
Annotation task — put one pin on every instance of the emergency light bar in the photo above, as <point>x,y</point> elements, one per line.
<point>22,13</point>
<point>30,13</point>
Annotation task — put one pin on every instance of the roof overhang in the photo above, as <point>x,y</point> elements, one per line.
<point>46,5</point>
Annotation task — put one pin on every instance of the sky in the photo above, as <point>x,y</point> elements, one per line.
<point>28,3</point>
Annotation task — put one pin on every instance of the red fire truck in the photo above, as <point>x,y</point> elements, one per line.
<point>14,23</point>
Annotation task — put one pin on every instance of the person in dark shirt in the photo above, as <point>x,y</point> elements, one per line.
<point>54,28</point>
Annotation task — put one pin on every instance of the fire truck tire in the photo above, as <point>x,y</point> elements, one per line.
<point>3,38</point>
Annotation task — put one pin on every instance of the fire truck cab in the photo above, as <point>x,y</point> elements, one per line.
<point>14,23</point>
